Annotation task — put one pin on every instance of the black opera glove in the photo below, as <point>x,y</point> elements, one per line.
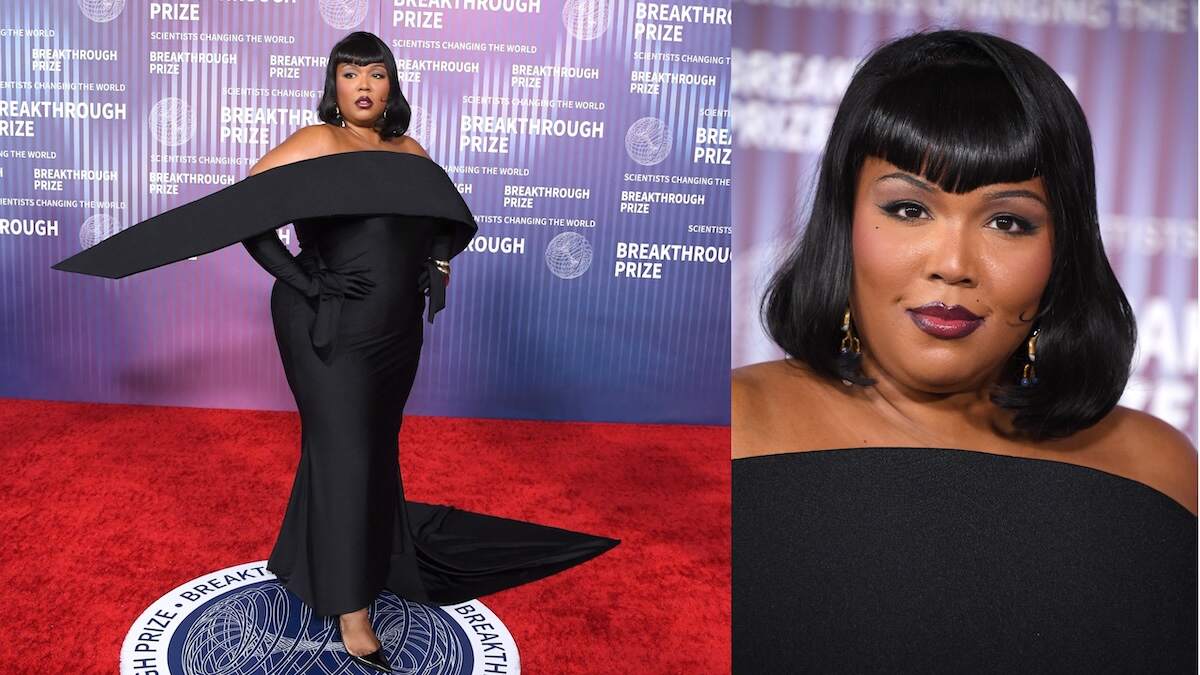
<point>435,291</point>
<point>423,279</point>
<point>350,283</point>
<point>275,258</point>
<point>443,241</point>
<point>429,267</point>
<point>327,286</point>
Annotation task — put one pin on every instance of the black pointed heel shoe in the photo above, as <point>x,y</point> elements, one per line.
<point>375,660</point>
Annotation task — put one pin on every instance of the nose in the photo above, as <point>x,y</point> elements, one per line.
<point>953,255</point>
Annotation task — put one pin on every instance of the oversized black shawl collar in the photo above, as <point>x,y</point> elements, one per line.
<point>360,182</point>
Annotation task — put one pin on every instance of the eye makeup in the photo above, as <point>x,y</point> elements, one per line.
<point>904,210</point>
<point>907,210</point>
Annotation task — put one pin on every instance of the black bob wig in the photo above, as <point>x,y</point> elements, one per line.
<point>966,109</point>
<point>361,48</point>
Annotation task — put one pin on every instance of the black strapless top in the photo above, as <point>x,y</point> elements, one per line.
<point>922,560</point>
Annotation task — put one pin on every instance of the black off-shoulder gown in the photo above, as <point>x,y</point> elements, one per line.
<point>350,362</point>
<point>924,560</point>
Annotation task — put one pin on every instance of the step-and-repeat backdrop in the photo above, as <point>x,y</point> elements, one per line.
<point>1132,64</point>
<point>591,139</point>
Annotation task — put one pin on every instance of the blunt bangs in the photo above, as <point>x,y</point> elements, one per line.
<point>959,125</point>
<point>359,50</point>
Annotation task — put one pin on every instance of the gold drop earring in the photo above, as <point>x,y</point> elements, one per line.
<point>1029,373</point>
<point>850,343</point>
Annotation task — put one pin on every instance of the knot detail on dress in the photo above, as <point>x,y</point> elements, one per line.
<point>331,288</point>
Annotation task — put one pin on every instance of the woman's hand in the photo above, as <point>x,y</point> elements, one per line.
<point>423,279</point>
<point>353,284</point>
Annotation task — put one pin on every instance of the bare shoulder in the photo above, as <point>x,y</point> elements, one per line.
<point>776,406</point>
<point>758,380</point>
<point>1151,451</point>
<point>409,144</point>
<point>748,388</point>
<point>305,143</point>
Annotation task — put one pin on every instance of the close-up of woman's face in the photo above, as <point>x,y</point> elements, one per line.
<point>362,91</point>
<point>985,255</point>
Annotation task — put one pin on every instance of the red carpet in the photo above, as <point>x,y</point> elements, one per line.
<point>104,508</point>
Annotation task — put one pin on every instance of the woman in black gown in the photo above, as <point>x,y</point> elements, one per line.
<point>377,222</point>
<point>937,478</point>
<point>348,531</point>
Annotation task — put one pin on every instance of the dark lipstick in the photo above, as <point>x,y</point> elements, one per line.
<point>945,322</point>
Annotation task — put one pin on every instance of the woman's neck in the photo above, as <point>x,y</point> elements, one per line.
<point>368,136</point>
<point>949,419</point>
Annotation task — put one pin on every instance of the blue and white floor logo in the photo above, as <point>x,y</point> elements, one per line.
<point>241,621</point>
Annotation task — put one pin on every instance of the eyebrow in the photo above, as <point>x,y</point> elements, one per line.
<point>990,196</point>
<point>1005,194</point>
<point>907,178</point>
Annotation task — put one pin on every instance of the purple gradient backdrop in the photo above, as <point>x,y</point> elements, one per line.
<point>516,340</point>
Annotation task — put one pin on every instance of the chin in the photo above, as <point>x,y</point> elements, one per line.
<point>931,384</point>
<point>939,373</point>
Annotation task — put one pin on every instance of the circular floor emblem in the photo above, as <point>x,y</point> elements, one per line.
<point>242,621</point>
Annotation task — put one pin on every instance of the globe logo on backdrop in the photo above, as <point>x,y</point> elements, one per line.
<point>242,621</point>
<point>172,121</point>
<point>648,141</point>
<point>586,19</point>
<point>344,14</point>
<point>569,255</point>
<point>96,229</point>
<point>101,11</point>
<point>418,125</point>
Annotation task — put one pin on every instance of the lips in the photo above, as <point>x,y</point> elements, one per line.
<point>945,322</point>
<point>363,102</point>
